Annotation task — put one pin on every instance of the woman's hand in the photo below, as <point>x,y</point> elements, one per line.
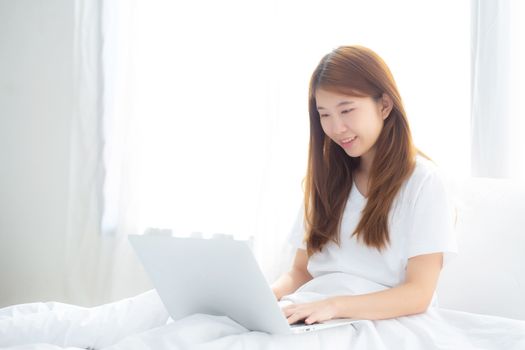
<point>317,311</point>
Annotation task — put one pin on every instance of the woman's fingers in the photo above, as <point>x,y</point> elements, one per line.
<point>288,310</point>
<point>294,313</point>
<point>296,317</point>
<point>310,313</point>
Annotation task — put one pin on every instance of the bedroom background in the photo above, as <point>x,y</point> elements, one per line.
<point>118,116</point>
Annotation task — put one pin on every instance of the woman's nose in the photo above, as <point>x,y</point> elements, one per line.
<point>338,125</point>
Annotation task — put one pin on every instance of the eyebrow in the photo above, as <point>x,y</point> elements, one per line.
<point>342,103</point>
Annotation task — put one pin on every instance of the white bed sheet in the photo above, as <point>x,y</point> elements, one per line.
<point>141,322</point>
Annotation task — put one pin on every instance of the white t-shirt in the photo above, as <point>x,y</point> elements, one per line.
<point>421,221</point>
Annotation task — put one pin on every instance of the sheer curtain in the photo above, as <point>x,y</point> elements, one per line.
<point>498,75</point>
<point>84,259</point>
<point>100,267</point>
<point>206,120</point>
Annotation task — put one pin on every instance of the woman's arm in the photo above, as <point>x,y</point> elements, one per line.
<point>411,297</point>
<point>293,279</point>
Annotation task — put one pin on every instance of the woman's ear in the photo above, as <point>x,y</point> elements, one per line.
<point>386,105</point>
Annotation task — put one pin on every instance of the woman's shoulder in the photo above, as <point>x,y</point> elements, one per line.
<point>423,169</point>
<point>425,172</point>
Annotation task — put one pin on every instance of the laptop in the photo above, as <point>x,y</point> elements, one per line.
<point>218,277</point>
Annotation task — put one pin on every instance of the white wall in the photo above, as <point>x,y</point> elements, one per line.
<point>36,57</point>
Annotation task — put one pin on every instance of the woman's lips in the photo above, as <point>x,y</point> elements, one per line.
<point>348,144</point>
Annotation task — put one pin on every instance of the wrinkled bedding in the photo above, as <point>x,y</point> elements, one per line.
<point>141,322</point>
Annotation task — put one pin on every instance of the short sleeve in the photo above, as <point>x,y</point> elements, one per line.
<point>433,220</point>
<point>296,234</point>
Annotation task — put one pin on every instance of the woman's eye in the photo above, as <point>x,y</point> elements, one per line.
<point>343,112</point>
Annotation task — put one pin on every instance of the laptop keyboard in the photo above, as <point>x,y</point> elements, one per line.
<point>299,324</point>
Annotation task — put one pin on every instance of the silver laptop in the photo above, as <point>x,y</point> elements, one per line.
<point>217,277</point>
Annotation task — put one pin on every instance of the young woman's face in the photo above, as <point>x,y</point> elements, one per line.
<point>345,118</point>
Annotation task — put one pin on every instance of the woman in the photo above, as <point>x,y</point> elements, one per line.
<point>362,162</point>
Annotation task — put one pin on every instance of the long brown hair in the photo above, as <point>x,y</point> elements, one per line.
<point>355,71</point>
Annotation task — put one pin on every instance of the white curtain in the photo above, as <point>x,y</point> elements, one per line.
<point>498,88</point>
<point>84,251</point>
<point>99,267</point>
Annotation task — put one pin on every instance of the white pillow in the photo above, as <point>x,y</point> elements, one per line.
<point>488,275</point>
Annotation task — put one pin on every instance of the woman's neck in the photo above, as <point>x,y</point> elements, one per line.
<point>365,163</point>
<point>362,173</point>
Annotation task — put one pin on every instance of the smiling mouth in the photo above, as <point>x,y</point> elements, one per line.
<point>347,141</point>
